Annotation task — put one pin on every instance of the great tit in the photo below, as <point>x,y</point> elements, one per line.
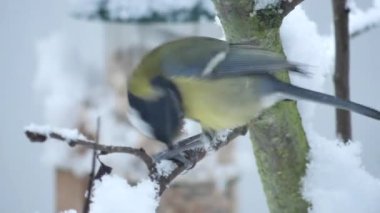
<point>219,84</point>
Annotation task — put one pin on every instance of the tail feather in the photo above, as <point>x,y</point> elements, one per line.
<point>301,93</point>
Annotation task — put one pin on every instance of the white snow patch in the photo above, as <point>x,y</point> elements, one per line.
<point>190,128</point>
<point>69,211</point>
<point>114,194</point>
<point>303,45</point>
<point>219,23</point>
<point>336,180</point>
<point>222,135</point>
<point>121,9</point>
<point>165,167</point>
<point>41,129</point>
<point>167,6</point>
<point>69,134</point>
<point>263,4</point>
<point>360,20</point>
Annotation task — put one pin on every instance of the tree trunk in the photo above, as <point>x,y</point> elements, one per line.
<point>278,137</point>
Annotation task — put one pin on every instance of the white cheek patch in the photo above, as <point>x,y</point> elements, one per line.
<point>137,122</point>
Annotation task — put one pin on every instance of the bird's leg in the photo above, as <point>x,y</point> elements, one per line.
<point>176,151</point>
<point>180,158</point>
<point>208,138</point>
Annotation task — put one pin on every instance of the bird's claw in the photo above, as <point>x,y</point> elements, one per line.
<point>177,151</point>
<point>177,157</point>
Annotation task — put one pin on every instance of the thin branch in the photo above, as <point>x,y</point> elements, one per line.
<point>342,67</point>
<point>90,183</point>
<point>193,155</point>
<point>105,149</point>
<point>365,28</point>
<point>366,21</point>
<point>362,22</point>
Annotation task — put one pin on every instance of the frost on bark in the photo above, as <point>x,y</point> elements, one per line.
<point>278,138</point>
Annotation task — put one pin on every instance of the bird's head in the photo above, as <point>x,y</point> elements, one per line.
<point>155,107</point>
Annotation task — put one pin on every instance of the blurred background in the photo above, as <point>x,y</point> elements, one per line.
<point>65,71</point>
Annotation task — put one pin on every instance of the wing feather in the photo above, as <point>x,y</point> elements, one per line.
<point>196,57</point>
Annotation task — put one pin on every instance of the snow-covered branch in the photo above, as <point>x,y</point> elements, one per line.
<point>74,138</point>
<point>363,21</point>
<point>157,171</point>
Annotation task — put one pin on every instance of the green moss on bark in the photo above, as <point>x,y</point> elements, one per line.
<point>278,137</point>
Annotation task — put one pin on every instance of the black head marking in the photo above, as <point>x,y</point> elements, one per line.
<point>164,114</point>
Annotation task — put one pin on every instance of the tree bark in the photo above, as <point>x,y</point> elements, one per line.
<point>342,67</point>
<point>278,138</point>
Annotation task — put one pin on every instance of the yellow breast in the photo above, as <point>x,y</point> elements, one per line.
<point>219,104</point>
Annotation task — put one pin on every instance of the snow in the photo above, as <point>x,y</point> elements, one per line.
<point>303,44</point>
<point>69,134</point>
<point>335,180</point>
<point>44,130</point>
<point>140,9</point>
<point>114,194</point>
<point>219,138</point>
<point>69,211</point>
<point>120,9</point>
<point>263,4</point>
<point>165,167</point>
<point>361,20</point>
<point>166,6</point>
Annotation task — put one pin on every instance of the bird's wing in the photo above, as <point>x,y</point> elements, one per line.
<point>212,58</point>
<point>189,57</point>
<point>242,60</point>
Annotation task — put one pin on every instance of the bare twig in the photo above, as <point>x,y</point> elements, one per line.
<point>361,21</point>
<point>366,28</point>
<point>342,67</point>
<point>193,155</point>
<point>105,149</point>
<point>90,184</point>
